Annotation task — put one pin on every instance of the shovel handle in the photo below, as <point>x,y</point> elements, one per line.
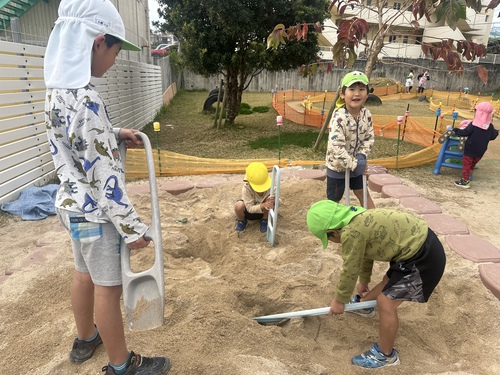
<point>154,231</point>
<point>313,312</point>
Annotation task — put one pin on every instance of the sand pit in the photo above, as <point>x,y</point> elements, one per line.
<point>216,280</point>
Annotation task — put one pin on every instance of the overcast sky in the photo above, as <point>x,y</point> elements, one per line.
<point>153,6</point>
<point>153,14</point>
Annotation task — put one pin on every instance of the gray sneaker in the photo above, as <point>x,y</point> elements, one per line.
<point>365,313</point>
<point>83,350</point>
<point>139,365</point>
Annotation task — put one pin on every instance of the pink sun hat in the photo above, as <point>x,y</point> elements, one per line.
<point>482,118</point>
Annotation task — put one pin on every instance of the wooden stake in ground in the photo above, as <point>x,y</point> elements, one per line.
<point>218,103</point>
<point>327,121</point>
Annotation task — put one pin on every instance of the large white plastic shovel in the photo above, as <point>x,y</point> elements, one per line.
<point>144,292</point>
<point>273,212</point>
<point>314,312</point>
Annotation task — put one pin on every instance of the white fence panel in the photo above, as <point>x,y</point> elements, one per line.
<point>132,92</point>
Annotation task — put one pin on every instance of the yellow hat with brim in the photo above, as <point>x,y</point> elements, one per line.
<point>258,177</point>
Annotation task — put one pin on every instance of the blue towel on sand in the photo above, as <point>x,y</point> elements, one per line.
<point>34,203</point>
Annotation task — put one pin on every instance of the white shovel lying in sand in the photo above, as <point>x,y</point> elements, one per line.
<point>314,312</point>
<point>144,292</point>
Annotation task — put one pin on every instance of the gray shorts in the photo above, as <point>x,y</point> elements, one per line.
<point>96,248</point>
<point>414,279</point>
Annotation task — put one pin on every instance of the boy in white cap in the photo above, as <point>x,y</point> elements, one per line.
<point>350,139</point>
<point>256,198</point>
<point>479,133</point>
<point>416,263</point>
<point>92,201</point>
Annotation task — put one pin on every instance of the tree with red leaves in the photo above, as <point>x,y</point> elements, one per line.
<point>352,32</point>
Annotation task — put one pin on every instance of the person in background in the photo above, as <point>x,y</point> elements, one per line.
<point>350,139</point>
<point>92,201</point>
<point>409,81</point>
<point>256,199</point>
<point>422,81</point>
<point>479,133</point>
<point>416,264</point>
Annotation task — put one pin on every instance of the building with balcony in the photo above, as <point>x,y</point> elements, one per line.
<point>403,40</point>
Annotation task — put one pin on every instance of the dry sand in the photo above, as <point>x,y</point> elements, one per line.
<point>216,280</point>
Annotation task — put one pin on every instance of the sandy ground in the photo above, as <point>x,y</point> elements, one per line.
<point>216,280</point>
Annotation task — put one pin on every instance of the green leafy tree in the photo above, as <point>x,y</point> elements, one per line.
<point>228,37</point>
<point>494,46</point>
<point>352,31</point>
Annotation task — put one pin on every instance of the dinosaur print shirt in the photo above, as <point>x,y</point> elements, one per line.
<point>376,235</point>
<point>84,148</point>
<point>347,137</point>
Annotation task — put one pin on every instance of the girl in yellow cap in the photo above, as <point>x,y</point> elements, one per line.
<point>416,263</point>
<point>256,198</point>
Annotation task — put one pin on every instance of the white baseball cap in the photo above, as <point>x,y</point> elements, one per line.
<point>68,55</point>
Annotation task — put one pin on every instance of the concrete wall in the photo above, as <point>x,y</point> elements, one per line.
<point>36,24</point>
<point>398,69</point>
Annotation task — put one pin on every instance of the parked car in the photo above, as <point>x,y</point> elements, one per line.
<point>163,49</point>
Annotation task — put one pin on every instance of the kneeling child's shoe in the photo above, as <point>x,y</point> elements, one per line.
<point>263,226</point>
<point>241,225</point>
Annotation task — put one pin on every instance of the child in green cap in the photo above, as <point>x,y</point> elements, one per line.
<point>350,139</point>
<point>256,199</point>
<point>416,263</point>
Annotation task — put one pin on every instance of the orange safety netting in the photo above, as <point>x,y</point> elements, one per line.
<point>310,108</point>
<point>174,164</point>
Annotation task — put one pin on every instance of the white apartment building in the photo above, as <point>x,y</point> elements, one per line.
<point>404,41</point>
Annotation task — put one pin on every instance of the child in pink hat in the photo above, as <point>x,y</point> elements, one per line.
<point>479,133</point>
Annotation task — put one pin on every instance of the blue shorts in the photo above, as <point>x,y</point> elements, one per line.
<point>96,248</point>
<point>335,187</point>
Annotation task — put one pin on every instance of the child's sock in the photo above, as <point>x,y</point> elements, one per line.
<point>93,337</point>
<point>121,368</point>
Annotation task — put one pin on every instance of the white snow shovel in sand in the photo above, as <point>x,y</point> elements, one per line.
<point>144,292</point>
<point>314,312</point>
<point>273,212</point>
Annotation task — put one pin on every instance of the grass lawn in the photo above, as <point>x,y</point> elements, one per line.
<point>192,132</point>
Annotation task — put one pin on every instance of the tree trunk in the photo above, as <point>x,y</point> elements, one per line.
<point>237,76</point>
<point>232,96</point>
<point>372,57</point>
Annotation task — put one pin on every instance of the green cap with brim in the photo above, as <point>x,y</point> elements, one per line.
<point>325,215</point>
<point>126,45</point>
<point>353,77</point>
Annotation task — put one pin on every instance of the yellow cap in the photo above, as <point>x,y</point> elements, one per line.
<point>258,177</point>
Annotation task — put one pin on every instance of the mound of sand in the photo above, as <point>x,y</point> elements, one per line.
<point>216,280</point>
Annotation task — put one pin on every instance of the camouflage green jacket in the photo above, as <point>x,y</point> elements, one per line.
<point>376,235</point>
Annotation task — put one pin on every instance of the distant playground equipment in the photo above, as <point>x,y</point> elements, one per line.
<point>450,156</point>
